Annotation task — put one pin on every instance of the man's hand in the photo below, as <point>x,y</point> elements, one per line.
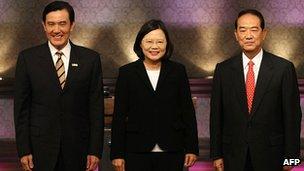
<point>27,162</point>
<point>218,164</point>
<point>189,160</point>
<point>92,162</point>
<point>119,164</point>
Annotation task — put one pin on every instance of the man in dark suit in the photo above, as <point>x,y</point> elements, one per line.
<point>58,99</point>
<point>255,119</point>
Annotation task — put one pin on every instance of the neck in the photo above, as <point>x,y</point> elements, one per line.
<point>59,48</point>
<point>152,65</point>
<point>252,54</point>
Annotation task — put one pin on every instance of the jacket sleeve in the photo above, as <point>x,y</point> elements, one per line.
<point>291,112</point>
<point>188,116</point>
<point>216,116</point>
<point>22,104</point>
<point>96,109</point>
<point>119,117</point>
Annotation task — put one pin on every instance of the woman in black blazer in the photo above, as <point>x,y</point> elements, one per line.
<point>154,124</point>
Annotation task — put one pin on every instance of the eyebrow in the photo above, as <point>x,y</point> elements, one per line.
<point>154,39</point>
<point>63,21</point>
<point>243,27</point>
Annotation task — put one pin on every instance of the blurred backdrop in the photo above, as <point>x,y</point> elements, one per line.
<point>201,30</point>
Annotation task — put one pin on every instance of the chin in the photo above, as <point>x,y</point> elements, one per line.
<point>155,58</point>
<point>249,49</point>
<point>58,44</point>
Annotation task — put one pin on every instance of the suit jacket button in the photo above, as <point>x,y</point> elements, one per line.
<point>249,125</point>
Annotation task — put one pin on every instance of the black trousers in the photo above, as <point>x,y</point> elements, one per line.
<point>158,161</point>
<point>60,164</point>
<point>65,164</point>
<point>248,164</point>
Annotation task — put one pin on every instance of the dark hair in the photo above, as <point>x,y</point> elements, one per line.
<point>252,12</point>
<point>59,5</point>
<point>145,29</point>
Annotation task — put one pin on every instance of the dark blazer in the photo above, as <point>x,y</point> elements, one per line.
<point>271,131</point>
<point>143,117</point>
<point>48,119</point>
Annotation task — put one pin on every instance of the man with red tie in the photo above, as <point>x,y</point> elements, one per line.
<point>255,117</point>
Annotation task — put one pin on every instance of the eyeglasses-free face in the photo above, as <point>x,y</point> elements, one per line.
<point>58,28</point>
<point>249,34</point>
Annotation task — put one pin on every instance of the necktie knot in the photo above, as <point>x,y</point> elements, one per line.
<point>250,63</point>
<point>59,54</point>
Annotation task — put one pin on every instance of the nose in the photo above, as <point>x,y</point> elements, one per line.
<point>154,45</point>
<point>248,35</point>
<point>56,29</point>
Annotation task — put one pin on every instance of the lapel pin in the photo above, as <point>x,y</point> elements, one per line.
<point>75,65</point>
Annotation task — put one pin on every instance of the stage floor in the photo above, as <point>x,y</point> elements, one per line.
<point>207,166</point>
<point>199,166</point>
<point>10,162</point>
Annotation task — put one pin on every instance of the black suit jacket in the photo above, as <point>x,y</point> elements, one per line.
<point>143,117</point>
<point>271,131</point>
<point>49,119</point>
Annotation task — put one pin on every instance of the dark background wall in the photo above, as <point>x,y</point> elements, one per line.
<point>202,30</point>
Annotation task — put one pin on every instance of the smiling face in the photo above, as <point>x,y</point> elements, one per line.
<point>58,27</point>
<point>154,45</point>
<point>249,34</point>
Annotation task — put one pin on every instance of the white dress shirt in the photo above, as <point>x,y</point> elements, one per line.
<point>65,57</point>
<point>256,67</point>
<point>153,76</point>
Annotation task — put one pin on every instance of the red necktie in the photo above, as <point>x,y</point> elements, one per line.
<point>250,85</point>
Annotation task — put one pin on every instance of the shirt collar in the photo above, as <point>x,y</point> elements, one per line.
<point>256,60</point>
<point>66,50</point>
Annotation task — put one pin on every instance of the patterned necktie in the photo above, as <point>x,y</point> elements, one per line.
<point>60,69</point>
<point>250,85</point>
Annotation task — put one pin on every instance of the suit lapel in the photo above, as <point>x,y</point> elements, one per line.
<point>47,64</point>
<point>141,71</point>
<point>165,67</point>
<point>239,83</point>
<point>73,67</point>
<point>264,77</point>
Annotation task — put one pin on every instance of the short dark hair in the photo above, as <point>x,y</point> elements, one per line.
<point>145,29</point>
<point>59,5</point>
<point>252,12</point>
